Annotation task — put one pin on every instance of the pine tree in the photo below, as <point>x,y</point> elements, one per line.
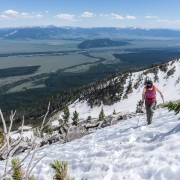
<point>17,171</point>
<point>65,117</point>
<point>61,168</point>
<point>75,118</point>
<point>173,107</point>
<point>32,178</point>
<point>89,118</point>
<point>101,115</point>
<point>114,112</point>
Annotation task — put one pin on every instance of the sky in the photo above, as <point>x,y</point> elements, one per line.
<point>92,13</point>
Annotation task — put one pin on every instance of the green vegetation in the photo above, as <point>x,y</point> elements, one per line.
<point>75,118</point>
<point>173,107</point>
<point>60,168</point>
<point>65,117</point>
<point>114,112</point>
<point>18,71</point>
<point>89,118</point>
<point>147,57</point>
<point>101,115</point>
<point>18,173</point>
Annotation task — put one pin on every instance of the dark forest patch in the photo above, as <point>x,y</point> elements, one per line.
<point>18,71</point>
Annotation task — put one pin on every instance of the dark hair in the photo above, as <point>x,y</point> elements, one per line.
<point>149,84</point>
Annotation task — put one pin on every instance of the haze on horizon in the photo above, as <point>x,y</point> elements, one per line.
<point>80,13</point>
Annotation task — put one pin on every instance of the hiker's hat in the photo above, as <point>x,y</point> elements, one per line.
<point>149,84</point>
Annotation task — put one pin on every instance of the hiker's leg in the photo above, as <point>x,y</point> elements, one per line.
<point>147,112</point>
<point>152,108</point>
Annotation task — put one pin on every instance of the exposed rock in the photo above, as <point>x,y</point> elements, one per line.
<point>76,135</point>
<point>171,71</point>
<point>156,78</point>
<point>164,67</point>
<point>153,70</point>
<point>53,139</point>
<point>90,126</point>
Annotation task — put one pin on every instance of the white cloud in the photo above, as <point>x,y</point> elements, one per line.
<point>46,11</point>
<point>151,17</point>
<point>116,16</point>
<point>104,15</point>
<point>25,15</point>
<point>130,17</point>
<point>11,14</point>
<point>87,15</point>
<point>38,16</point>
<point>163,20</point>
<point>65,16</point>
<point>167,21</point>
<point>4,17</point>
<point>177,21</point>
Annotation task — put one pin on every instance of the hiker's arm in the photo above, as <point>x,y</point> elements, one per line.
<point>143,95</point>
<point>160,93</point>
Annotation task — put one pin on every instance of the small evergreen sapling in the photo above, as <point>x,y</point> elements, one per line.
<point>65,117</point>
<point>139,106</point>
<point>114,112</point>
<point>32,177</point>
<point>18,173</point>
<point>75,118</point>
<point>61,170</point>
<point>89,118</point>
<point>101,115</point>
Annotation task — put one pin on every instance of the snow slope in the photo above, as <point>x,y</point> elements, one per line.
<point>169,86</point>
<point>123,151</point>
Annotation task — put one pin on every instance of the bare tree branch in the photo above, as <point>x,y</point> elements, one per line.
<point>42,126</point>
<point>10,147</point>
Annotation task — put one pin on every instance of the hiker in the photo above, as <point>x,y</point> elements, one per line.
<point>149,95</point>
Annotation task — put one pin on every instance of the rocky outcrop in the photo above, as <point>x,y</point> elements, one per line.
<point>171,71</point>
<point>164,67</point>
<point>153,70</point>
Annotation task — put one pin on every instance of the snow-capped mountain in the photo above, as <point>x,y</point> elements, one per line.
<point>130,149</point>
<point>70,32</point>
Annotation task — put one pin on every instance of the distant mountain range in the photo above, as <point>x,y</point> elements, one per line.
<point>101,43</point>
<point>53,32</point>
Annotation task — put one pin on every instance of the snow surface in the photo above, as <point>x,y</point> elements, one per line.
<point>122,151</point>
<point>26,134</point>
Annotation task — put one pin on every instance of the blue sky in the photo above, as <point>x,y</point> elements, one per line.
<point>92,13</point>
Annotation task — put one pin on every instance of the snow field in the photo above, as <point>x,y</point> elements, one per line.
<point>122,151</point>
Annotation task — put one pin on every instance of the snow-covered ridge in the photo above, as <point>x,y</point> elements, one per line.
<point>11,33</point>
<point>169,85</point>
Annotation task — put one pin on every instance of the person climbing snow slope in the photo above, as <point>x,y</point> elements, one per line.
<point>149,95</point>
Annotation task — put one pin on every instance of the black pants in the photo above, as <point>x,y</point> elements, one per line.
<point>149,111</point>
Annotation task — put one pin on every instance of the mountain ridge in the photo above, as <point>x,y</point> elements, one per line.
<point>53,32</point>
